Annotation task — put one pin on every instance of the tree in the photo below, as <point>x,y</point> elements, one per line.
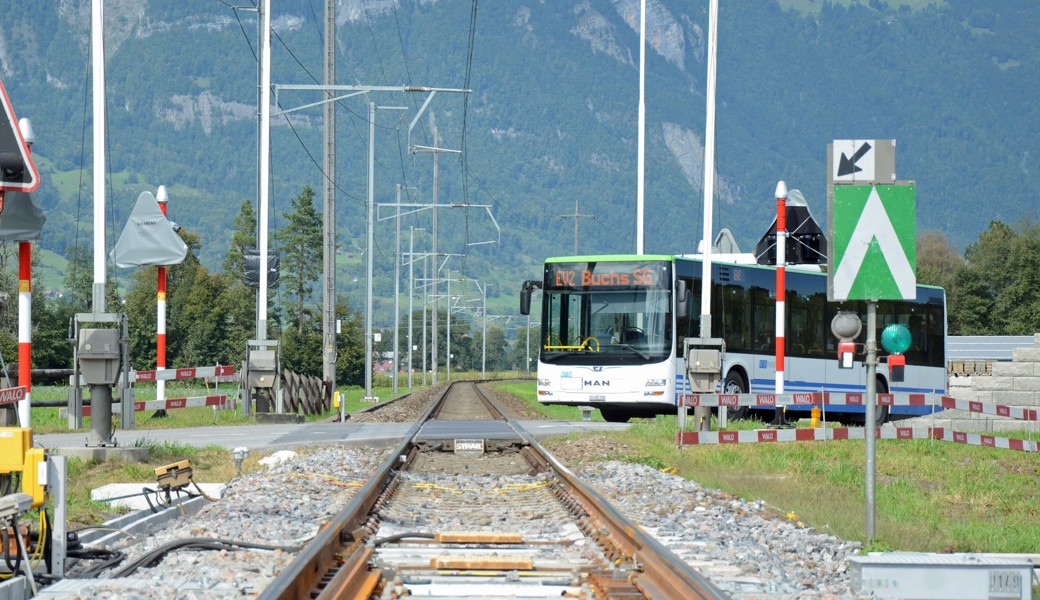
<point>350,346</point>
<point>237,301</point>
<point>244,236</point>
<point>937,261</point>
<point>995,292</point>
<point>79,278</point>
<point>301,255</point>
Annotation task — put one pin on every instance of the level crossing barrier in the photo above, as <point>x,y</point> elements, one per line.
<point>823,399</point>
<point>215,374</point>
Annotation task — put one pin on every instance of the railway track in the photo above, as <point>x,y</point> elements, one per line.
<point>469,505</point>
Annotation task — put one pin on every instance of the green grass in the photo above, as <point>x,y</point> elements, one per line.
<point>48,420</point>
<point>209,464</point>
<point>526,389</point>
<point>930,496</point>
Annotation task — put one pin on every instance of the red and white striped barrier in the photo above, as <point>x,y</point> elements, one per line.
<point>858,399</point>
<point>1000,410</point>
<point>755,436</point>
<point>225,373</point>
<point>220,401</point>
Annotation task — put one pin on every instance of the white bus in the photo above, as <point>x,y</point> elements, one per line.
<point>612,331</point>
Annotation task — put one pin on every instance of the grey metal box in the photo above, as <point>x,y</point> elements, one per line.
<point>704,367</point>
<point>262,366</point>
<point>924,576</point>
<point>99,355</point>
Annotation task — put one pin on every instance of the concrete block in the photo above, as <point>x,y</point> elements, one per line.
<point>1026,384</point>
<point>102,454</point>
<point>1015,398</point>
<point>983,396</point>
<point>993,384</point>
<point>1015,369</point>
<point>130,495</point>
<point>1026,354</point>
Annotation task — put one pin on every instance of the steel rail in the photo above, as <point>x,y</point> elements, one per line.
<point>339,543</point>
<point>336,564</point>
<point>659,573</point>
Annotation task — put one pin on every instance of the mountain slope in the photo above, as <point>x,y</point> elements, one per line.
<point>551,118</point>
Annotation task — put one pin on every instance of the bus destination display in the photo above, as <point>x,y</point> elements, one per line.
<point>612,275</point>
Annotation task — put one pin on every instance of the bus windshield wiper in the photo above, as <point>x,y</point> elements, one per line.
<point>635,350</point>
<point>558,355</point>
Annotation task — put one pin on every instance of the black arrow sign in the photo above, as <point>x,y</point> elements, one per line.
<point>847,166</point>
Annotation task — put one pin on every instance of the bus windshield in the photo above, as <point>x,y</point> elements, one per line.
<point>620,312</point>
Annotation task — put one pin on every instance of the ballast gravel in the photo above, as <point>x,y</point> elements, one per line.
<point>735,543</point>
<point>282,505</point>
<point>738,545</point>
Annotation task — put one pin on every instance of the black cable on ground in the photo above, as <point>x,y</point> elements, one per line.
<point>155,556</point>
<point>7,541</point>
<point>408,535</point>
<point>110,559</point>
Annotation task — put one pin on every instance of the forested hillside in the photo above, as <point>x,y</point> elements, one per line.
<point>550,119</point>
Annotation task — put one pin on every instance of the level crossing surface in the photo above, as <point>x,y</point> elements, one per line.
<point>287,435</point>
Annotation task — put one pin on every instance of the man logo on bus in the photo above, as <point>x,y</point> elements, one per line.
<point>592,383</point>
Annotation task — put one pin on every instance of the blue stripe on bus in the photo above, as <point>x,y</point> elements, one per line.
<point>808,386</point>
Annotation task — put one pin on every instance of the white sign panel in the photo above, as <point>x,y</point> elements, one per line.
<point>853,160</point>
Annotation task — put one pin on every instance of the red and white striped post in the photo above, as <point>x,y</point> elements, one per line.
<point>25,304</point>
<point>781,310</point>
<point>160,337</point>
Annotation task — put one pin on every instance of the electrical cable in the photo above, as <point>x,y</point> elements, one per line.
<point>6,540</point>
<point>146,493</point>
<point>110,559</point>
<point>202,493</point>
<point>407,535</point>
<point>155,556</point>
<point>41,542</point>
<point>372,36</point>
<point>314,15</point>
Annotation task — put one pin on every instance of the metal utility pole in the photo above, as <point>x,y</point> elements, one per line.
<point>424,303</point>
<point>447,329</point>
<point>397,287</point>
<point>577,216</point>
<point>328,259</point>
<point>483,333</point>
<point>411,294</point>
<point>702,415</point>
<point>871,420</point>
<point>435,150</point>
<point>371,241</point>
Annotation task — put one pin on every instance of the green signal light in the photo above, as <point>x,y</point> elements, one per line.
<point>895,338</point>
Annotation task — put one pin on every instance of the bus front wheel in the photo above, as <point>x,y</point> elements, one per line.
<point>881,415</point>
<point>735,384</point>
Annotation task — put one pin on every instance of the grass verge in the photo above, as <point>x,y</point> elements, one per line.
<point>931,496</point>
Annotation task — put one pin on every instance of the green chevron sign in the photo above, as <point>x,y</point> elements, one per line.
<point>872,252</point>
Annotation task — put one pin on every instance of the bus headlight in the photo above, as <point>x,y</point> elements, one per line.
<point>656,382</point>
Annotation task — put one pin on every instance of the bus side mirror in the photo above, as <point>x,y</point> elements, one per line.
<point>525,295</point>
<point>682,295</point>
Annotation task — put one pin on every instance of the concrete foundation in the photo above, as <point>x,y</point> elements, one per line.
<point>102,454</point>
